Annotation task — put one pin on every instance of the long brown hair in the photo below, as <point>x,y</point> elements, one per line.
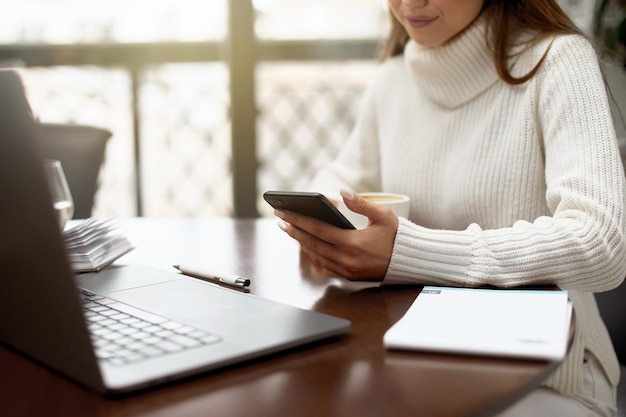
<point>504,19</point>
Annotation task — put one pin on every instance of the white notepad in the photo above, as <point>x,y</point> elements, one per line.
<point>494,322</point>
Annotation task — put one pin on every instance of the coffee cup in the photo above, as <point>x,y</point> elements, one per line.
<point>398,203</point>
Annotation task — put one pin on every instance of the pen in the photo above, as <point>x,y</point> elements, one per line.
<point>227,279</point>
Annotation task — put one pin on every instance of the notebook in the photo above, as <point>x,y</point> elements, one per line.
<point>46,312</point>
<point>520,323</point>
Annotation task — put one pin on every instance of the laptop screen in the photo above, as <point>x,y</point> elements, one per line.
<point>40,313</point>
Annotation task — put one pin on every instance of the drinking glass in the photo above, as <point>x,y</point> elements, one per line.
<point>61,196</point>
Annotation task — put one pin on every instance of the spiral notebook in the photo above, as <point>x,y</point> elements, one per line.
<point>93,244</point>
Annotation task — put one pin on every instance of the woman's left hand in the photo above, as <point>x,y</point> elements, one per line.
<point>353,254</point>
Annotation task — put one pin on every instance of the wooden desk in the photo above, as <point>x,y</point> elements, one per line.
<point>349,376</point>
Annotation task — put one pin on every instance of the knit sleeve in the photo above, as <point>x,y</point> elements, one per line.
<point>580,244</point>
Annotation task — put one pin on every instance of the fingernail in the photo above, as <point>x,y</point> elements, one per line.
<point>282,225</point>
<point>347,194</point>
<point>279,213</point>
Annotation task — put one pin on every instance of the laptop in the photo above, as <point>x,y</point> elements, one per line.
<point>62,320</point>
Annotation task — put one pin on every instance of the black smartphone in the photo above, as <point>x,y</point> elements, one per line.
<point>310,204</point>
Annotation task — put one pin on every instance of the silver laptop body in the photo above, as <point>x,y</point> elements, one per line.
<point>41,309</point>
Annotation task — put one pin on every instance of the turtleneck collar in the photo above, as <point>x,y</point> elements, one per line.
<point>456,72</point>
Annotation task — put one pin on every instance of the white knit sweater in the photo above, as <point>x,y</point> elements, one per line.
<point>510,185</point>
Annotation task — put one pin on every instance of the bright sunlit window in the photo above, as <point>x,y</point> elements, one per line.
<point>70,21</point>
<point>182,111</point>
<point>321,19</point>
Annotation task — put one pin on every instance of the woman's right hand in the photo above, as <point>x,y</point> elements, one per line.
<point>352,254</point>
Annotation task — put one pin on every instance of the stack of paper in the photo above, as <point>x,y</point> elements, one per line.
<point>93,244</point>
<point>520,323</point>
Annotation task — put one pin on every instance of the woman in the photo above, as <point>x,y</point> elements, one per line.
<point>492,115</point>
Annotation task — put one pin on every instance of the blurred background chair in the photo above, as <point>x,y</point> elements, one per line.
<point>81,150</point>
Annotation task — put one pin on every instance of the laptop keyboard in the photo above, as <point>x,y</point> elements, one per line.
<point>124,334</point>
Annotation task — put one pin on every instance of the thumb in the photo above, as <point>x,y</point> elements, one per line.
<point>359,205</point>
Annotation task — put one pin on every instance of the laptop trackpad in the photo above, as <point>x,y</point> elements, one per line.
<point>116,278</point>
<point>194,302</point>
